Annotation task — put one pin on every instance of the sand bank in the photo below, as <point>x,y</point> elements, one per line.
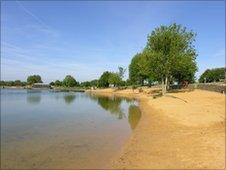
<point>177,131</point>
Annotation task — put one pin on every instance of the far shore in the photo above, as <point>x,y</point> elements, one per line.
<point>64,89</point>
<point>177,131</point>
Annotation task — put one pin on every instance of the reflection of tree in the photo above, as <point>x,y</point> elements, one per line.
<point>130,100</point>
<point>69,98</point>
<point>111,104</point>
<point>134,116</point>
<point>34,98</point>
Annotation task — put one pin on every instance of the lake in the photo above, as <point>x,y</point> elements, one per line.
<point>45,129</point>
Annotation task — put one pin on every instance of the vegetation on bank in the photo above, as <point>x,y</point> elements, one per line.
<point>168,58</point>
<point>34,79</point>
<point>212,75</point>
<point>13,83</point>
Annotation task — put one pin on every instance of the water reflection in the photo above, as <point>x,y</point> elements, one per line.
<point>69,98</point>
<point>34,97</point>
<point>80,135</point>
<point>112,104</point>
<point>134,116</point>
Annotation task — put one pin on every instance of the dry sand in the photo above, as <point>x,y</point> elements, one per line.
<point>177,131</point>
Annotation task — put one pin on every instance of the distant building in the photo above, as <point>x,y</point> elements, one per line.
<point>40,85</point>
<point>111,85</point>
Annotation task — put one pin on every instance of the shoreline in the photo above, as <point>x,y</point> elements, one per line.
<point>62,89</point>
<point>177,131</point>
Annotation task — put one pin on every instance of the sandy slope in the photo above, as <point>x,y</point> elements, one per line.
<point>177,131</point>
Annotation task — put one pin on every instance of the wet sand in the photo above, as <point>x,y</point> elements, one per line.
<point>177,131</point>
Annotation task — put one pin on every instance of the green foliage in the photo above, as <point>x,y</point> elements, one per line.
<point>212,75</point>
<point>17,83</point>
<point>139,68</point>
<point>34,79</point>
<point>93,83</point>
<point>13,83</point>
<point>85,84</point>
<point>128,82</point>
<point>108,78</point>
<point>104,79</point>
<point>114,79</point>
<point>52,83</point>
<point>69,81</point>
<point>172,52</point>
<point>168,56</point>
<point>58,83</point>
<point>133,69</point>
<point>185,70</point>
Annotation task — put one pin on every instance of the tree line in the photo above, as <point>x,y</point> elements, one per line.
<point>213,75</point>
<point>109,78</point>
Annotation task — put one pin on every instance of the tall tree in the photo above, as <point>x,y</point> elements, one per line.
<point>34,79</point>
<point>94,83</point>
<point>57,83</point>
<point>171,47</point>
<point>104,79</point>
<point>69,81</point>
<point>114,79</point>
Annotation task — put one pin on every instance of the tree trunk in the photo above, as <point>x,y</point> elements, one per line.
<point>163,87</point>
<point>166,84</point>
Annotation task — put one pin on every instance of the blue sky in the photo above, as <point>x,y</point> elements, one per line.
<point>56,38</point>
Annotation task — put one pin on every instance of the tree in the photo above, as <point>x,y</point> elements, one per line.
<point>86,84</point>
<point>13,83</point>
<point>104,79</point>
<point>52,83</point>
<point>108,78</point>
<point>139,68</point>
<point>133,69</point>
<point>94,83</point>
<point>69,81</point>
<point>34,79</point>
<point>57,83</point>
<point>17,83</point>
<point>170,48</point>
<point>212,75</point>
<point>114,79</point>
<point>185,71</point>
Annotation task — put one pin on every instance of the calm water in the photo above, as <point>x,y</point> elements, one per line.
<point>46,129</point>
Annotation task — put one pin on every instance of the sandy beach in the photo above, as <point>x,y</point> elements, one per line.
<point>180,130</point>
